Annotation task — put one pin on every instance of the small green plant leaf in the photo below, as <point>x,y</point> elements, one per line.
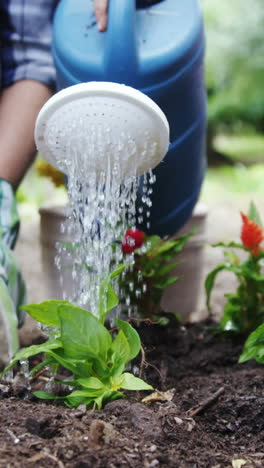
<point>152,241</point>
<point>92,399</point>
<point>229,245</point>
<point>117,271</point>
<point>130,382</point>
<point>131,336</point>
<point>77,367</point>
<point>107,396</point>
<point>164,270</point>
<point>209,282</point>
<point>108,298</point>
<point>230,320</point>
<point>25,353</point>
<point>166,282</point>
<point>45,312</point>
<point>254,346</point>
<point>162,248</point>
<point>82,335</point>
<point>121,347</point>
<point>74,401</point>
<point>46,396</point>
<point>248,272</point>
<point>90,382</point>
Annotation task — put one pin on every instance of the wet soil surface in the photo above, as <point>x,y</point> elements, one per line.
<point>212,414</point>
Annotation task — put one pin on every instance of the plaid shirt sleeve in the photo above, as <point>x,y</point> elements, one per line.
<point>25,37</point>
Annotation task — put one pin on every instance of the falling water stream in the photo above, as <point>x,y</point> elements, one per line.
<point>102,207</point>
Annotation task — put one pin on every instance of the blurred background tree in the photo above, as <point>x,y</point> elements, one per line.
<point>235,78</point>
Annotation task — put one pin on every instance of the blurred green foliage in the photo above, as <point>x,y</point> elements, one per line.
<point>247,147</point>
<point>233,182</point>
<point>234,61</point>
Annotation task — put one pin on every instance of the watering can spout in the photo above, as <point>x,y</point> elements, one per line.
<point>121,54</point>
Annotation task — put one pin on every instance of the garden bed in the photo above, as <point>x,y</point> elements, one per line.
<point>212,416</point>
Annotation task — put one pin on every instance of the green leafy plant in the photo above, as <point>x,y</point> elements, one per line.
<point>244,309</point>
<point>81,343</point>
<point>145,280</point>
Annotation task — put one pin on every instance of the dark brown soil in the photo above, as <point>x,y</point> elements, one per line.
<point>215,418</point>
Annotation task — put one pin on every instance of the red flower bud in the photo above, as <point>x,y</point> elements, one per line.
<point>251,235</point>
<point>133,239</point>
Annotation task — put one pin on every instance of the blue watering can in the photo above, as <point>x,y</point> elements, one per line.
<point>158,48</point>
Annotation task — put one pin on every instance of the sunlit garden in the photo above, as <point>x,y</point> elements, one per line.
<point>168,369</point>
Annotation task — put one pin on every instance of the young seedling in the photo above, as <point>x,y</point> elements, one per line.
<point>84,346</point>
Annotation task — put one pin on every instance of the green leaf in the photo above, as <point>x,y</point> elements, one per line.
<point>82,335</point>
<point>256,338</point>
<point>247,271</point>
<point>25,353</point>
<point>117,271</point>
<point>209,282</point>
<point>102,397</point>
<point>121,347</point>
<point>77,367</point>
<point>45,312</point>
<point>71,401</point>
<point>254,214</point>
<point>87,392</point>
<point>167,249</point>
<point>90,382</point>
<point>106,397</point>
<point>163,247</point>
<point>130,382</point>
<point>231,319</point>
<point>132,337</point>
<point>75,401</point>
<point>46,396</point>
<point>152,241</point>
<point>167,282</point>
<point>166,269</point>
<point>254,346</point>
<point>230,245</point>
<point>247,355</point>
<point>108,298</point>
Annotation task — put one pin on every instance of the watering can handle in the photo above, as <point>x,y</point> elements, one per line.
<point>120,55</point>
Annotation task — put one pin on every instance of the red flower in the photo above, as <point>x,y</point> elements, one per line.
<point>251,235</point>
<point>133,239</point>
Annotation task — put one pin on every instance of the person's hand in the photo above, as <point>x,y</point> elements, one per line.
<point>100,10</point>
